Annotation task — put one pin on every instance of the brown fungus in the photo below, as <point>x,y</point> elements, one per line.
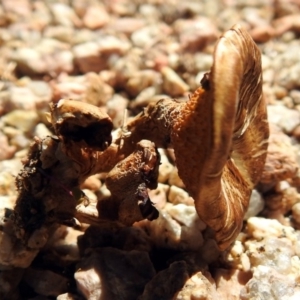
<point>234,148</point>
<point>219,136</point>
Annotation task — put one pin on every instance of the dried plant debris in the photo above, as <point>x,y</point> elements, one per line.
<point>56,166</point>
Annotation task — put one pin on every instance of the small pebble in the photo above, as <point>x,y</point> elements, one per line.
<point>177,195</point>
<point>95,17</point>
<point>296,212</point>
<point>23,121</point>
<point>287,119</point>
<point>172,83</point>
<point>41,131</point>
<point>256,205</point>
<point>159,195</point>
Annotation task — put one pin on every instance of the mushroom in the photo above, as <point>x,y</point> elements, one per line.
<point>219,136</point>
<point>230,144</point>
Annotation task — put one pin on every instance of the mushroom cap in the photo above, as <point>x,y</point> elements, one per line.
<point>223,130</point>
<point>76,121</point>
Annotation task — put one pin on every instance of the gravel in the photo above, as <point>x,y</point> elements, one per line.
<point>127,54</point>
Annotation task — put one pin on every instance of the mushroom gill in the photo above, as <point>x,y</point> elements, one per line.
<point>225,123</point>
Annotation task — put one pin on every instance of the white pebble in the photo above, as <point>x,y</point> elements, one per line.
<point>296,212</point>
<point>173,85</point>
<point>178,195</point>
<point>287,119</point>
<point>256,205</point>
<point>186,215</point>
<point>261,228</point>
